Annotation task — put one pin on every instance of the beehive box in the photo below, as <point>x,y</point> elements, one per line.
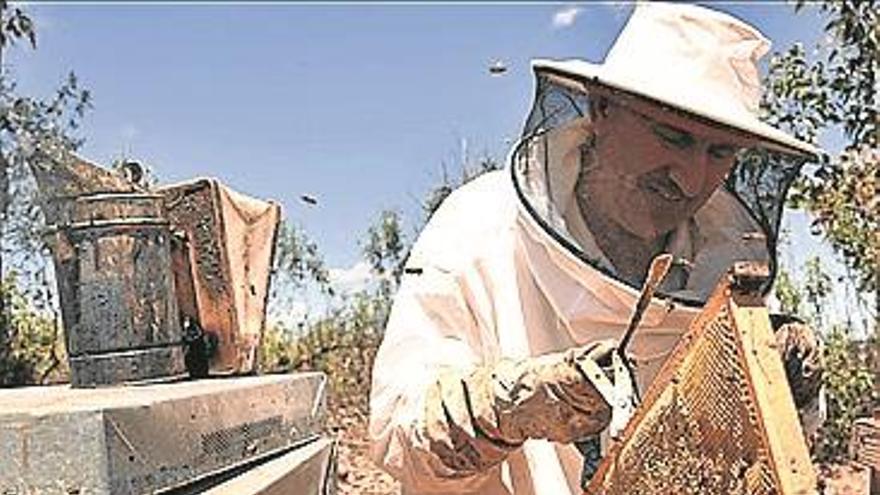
<point>865,447</point>
<point>150,438</point>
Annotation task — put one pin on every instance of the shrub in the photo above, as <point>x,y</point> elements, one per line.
<point>31,347</point>
<point>849,386</point>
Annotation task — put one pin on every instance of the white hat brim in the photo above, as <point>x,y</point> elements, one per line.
<point>594,73</point>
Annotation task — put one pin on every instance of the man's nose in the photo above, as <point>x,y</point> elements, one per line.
<point>690,174</point>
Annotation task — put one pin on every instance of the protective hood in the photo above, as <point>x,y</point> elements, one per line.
<point>739,221</point>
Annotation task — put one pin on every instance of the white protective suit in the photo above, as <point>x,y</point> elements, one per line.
<point>506,269</point>
<point>486,281</point>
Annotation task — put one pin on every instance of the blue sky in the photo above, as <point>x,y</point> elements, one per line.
<point>358,105</point>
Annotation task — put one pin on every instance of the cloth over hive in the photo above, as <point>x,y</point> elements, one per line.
<point>719,418</point>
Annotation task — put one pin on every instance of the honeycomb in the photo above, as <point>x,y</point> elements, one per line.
<point>719,418</point>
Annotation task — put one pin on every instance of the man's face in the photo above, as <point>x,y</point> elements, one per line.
<point>654,167</point>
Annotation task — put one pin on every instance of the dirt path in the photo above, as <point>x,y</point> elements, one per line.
<point>357,474</point>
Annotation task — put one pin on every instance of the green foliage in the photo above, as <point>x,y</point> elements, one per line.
<point>850,365</point>
<point>836,91</point>
<point>297,258</point>
<point>342,345</point>
<point>34,352</point>
<point>787,292</point>
<point>385,249</point>
<point>817,288</point>
<point>838,87</point>
<point>849,385</point>
<point>843,197</point>
<point>298,270</point>
<point>275,349</point>
<point>34,132</point>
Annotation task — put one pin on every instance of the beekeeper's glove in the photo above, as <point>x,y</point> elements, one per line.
<point>801,355</point>
<point>474,418</point>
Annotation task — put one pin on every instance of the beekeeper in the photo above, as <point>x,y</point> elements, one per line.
<point>497,355</point>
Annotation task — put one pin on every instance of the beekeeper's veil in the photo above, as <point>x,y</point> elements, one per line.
<point>688,61</point>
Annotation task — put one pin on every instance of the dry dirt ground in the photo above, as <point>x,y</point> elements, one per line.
<point>358,475</point>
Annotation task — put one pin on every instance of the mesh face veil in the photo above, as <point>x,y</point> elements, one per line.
<point>561,172</point>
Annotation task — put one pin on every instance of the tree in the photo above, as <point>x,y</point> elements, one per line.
<point>343,340</point>
<point>298,273</point>
<point>438,193</point>
<point>385,249</point>
<point>850,384</point>
<point>298,260</point>
<point>34,353</point>
<point>832,92</point>
<point>836,92</point>
<point>33,133</point>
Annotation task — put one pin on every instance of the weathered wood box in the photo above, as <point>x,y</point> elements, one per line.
<point>865,447</point>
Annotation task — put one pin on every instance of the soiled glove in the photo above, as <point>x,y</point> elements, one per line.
<point>474,418</point>
<point>802,357</point>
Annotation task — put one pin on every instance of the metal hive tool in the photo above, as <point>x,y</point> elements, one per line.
<point>719,417</point>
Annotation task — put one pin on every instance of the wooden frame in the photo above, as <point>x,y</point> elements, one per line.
<point>719,417</point>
